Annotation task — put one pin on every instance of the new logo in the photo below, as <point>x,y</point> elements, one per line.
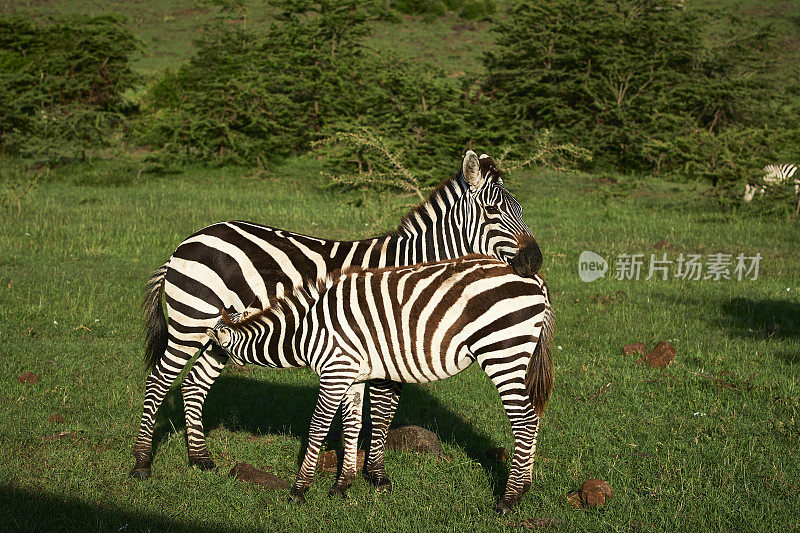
<point>591,266</point>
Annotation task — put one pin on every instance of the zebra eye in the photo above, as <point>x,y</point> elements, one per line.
<point>492,210</point>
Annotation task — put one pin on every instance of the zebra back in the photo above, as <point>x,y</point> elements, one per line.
<point>779,173</point>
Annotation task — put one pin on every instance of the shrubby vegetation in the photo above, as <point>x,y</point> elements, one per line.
<point>646,86</point>
<point>250,96</point>
<point>61,85</point>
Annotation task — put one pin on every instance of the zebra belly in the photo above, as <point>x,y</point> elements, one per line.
<point>413,368</point>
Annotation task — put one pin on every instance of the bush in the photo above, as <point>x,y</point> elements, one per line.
<point>249,96</point>
<point>627,77</point>
<point>62,84</point>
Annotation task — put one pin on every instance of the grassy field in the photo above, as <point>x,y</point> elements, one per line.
<point>708,443</point>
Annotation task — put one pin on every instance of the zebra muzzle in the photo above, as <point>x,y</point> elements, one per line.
<point>528,260</point>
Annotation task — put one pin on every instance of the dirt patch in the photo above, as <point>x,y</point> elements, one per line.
<point>56,419</point>
<point>250,474</point>
<point>606,299</point>
<point>659,357</point>
<point>461,28</point>
<point>606,180</point>
<point>574,499</point>
<point>28,377</point>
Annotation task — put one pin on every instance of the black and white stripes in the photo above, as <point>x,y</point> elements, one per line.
<point>773,175</point>
<point>234,265</point>
<point>408,324</point>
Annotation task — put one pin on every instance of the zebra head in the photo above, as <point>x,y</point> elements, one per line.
<point>221,335</point>
<point>224,333</point>
<point>493,220</point>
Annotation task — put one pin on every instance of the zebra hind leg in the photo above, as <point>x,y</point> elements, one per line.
<point>195,390</point>
<point>524,425</point>
<point>156,387</point>
<point>332,388</point>
<point>383,398</point>
<point>351,420</point>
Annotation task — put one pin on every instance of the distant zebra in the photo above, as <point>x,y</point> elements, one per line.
<point>773,175</point>
<point>411,324</point>
<point>233,265</point>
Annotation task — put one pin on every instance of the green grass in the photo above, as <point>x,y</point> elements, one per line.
<point>75,261</point>
<point>710,443</point>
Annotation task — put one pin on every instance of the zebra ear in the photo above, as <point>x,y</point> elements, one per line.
<point>471,169</point>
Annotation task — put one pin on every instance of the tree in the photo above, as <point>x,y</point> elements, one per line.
<point>619,75</point>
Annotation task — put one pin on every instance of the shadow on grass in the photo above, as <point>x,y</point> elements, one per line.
<point>761,319</point>
<point>27,510</point>
<point>241,403</point>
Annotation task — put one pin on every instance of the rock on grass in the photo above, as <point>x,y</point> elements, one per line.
<point>332,459</point>
<point>499,455</point>
<point>414,439</point>
<point>593,493</point>
<point>28,377</point>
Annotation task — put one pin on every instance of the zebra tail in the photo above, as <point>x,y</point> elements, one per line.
<point>155,322</point>
<point>539,377</point>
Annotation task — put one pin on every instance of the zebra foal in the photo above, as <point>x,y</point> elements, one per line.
<point>412,324</point>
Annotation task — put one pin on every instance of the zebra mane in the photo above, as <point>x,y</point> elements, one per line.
<point>280,306</point>
<point>422,207</point>
<point>487,167</point>
<point>325,282</point>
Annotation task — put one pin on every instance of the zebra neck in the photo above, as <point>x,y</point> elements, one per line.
<point>281,328</point>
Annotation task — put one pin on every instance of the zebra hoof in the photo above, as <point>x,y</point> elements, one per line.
<point>204,463</point>
<point>337,491</point>
<point>296,496</point>
<point>384,485</point>
<point>502,509</point>
<point>381,484</point>
<point>140,474</point>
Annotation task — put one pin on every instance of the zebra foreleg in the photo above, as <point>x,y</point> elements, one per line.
<point>195,390</point>
<point>332,387</point>
<point>384,396</point>
<point>524,426</point>
<point>351,420</point>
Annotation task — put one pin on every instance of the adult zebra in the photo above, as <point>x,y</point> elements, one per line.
<point>412,324</point>
<point>233,265</point>
<point>773,175</point>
